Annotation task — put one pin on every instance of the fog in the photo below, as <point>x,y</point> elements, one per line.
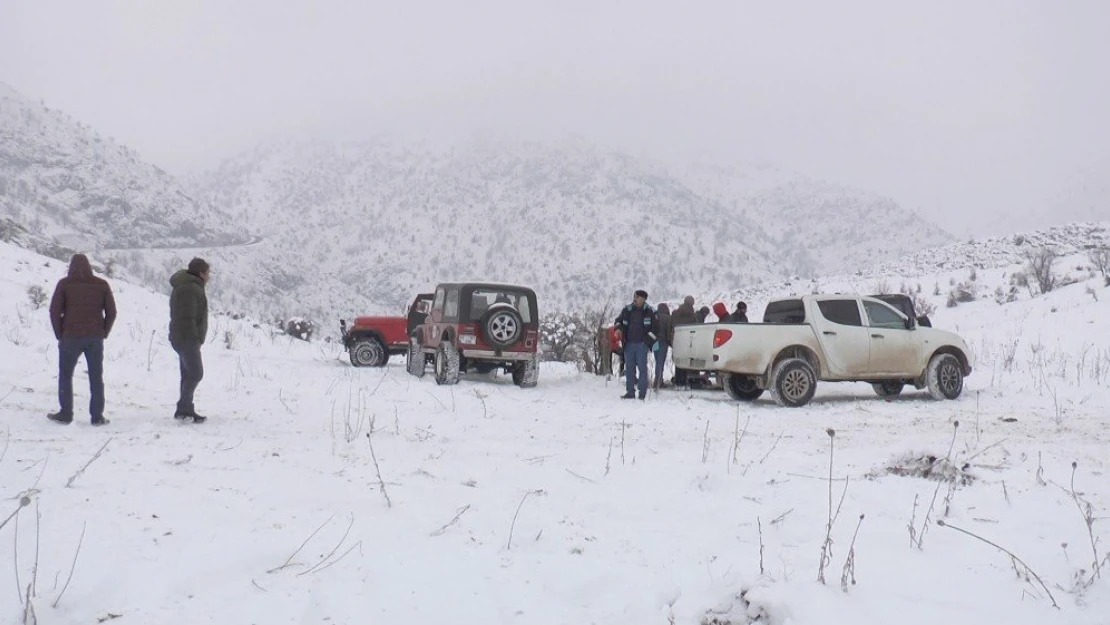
<point>968,112</point>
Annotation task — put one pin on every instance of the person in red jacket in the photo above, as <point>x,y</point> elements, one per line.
<point>721,310</point>
<point>82,312</point>
<point>615,347</point>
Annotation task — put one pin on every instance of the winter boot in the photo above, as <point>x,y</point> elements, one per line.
<point>100,421</point>
<point>59,417</point>
<point>628,396</point>
<point>188,413</point>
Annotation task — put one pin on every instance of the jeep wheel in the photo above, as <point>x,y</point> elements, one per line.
<point>417,364</point>
<point>502,326</point>
<point>447,364</point>
<point>888,389</point>
<point>793,383</point>
<point>526,374</point>
<point>368,353</point>
<point>945,377</point>
<point>742,387</point>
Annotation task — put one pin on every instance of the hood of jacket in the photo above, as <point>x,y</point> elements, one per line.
<point>182,277</point>
<point>80,267</point>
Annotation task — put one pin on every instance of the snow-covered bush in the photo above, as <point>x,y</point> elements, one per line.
<point>36,295</point>
<point>300,328</point>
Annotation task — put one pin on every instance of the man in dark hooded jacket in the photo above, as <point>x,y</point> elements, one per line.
<point>82,312</point>
<point>662,331</point>
<point>188,330</point>
<point>740,315</point>
<point>683,315</point>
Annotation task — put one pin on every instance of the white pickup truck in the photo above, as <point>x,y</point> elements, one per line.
<point>834,338</point>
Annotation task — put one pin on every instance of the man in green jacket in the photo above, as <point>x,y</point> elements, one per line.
<point>188,329</point>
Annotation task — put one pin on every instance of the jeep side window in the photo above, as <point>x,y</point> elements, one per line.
<point>438,303</point>
<point>451,308</point>
<point>843,312</point>
<point>881,316</point>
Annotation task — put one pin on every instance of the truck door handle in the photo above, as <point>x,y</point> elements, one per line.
<point>829,333</point>
<point>877,336</point>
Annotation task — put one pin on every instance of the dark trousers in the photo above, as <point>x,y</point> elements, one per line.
<point>192,372</point>
<point>69,352</point>
<point>635,367</point>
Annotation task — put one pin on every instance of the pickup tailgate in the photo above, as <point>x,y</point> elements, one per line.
<point>693,346</point>
<point>746,348</point>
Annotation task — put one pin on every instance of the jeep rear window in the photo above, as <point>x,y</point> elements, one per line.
<point>843,312</point>
<point>785,311</point>
<point>482,299</point>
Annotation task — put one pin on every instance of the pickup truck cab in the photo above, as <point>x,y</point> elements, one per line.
<point>832,338</point>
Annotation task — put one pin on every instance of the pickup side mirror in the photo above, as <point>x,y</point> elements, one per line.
<point>909,323</point>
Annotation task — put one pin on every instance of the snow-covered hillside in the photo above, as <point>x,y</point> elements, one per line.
<point>380,220</point>
<point>320,493</point>
<point>824,227</point>
<point>63,181</point>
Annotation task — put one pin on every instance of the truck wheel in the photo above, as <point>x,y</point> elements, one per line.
<point>368,353</point>
<point>888,389</point>
<point>527,374</point>
<point>945,377</point>
<point>793,383</point>
<point>447,364</point>
<point>742,387</point>
<point>417,364</point>
<point>502,326</point>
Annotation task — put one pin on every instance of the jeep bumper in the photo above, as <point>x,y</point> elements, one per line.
<point>482,354</point>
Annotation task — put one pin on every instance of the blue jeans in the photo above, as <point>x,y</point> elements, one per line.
<point>660,362</point>
<point>635,360</point>
<point>69,352</point>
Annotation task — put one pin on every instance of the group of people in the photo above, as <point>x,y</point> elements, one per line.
<point>640,329</point>
<point>83,312</point>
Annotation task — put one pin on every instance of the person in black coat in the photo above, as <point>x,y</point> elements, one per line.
<point>740,315</point>
<point>637,326</point>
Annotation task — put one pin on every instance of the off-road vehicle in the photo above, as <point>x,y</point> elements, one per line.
<point>370,341</point>
<point>479,327</point>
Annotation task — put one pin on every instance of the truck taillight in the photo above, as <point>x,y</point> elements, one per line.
<point>720,337</point>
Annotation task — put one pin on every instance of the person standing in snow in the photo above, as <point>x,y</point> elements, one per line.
<point>82,312</point>
<point>613,335</point>
<point>683,315</point>
<point>740,315</point>
<point>662,343</point>
<point>637,326</point>
<point>702,314</point>
<point>721,311</point>
<point>188,330</point>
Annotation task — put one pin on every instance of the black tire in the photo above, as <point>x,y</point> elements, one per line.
<point>368,352</point>
<point>447,364</point>
<point>502,326</point>
<point>526,374</point>
<point>742,387</point>
<point>888,389</point>
<point>793,383</point>
<point>417,364</point>
<point>945,377</point>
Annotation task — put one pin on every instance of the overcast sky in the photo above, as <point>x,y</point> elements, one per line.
<point>965,110</point>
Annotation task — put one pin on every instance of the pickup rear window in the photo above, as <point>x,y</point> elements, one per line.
<point>785,311</point>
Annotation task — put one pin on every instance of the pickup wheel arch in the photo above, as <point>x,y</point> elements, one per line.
<point>949,349</point>
<point>794,351</point>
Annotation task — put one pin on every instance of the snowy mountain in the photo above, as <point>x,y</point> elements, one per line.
<point>321,493</point>
<point>379,220</point>
<point>830,228</point>
<point>62,181</point>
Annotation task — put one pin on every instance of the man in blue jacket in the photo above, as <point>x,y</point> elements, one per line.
<point>637,326</point>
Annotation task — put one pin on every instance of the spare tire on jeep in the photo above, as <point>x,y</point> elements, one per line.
<point>502,326</point>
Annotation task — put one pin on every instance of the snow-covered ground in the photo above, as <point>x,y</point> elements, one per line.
<point>560,504</point>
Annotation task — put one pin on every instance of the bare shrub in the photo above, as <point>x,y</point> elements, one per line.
<point>1100,260</point>
<point>1041,262</point>
<point>300,328</point>
<point>882,287</point>
<point>37,296</point>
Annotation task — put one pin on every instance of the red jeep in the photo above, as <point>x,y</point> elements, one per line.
<point>478,327</point>
<point>372,340</point>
